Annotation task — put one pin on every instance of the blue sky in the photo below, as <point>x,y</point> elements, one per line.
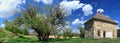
<point>78,11</point>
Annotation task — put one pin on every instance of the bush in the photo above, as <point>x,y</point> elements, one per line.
<point>68,33</point>
<point>82,31</point>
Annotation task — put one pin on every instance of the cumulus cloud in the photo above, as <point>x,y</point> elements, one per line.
<point>87,9</point>
<point>37,0</point>
<point>78,21</point>
<point>82,18</point>
<point>69,6</point>
<point>23,1</point>
<point>101,10</point>
<point>106,15</point>
<point>45,1</point>
<point>116,21</point>
<point>2,25</point>
<point>67,22</point>
<point>75,31</point>
<point>67,26</point>
<point>118,27</point>
<point>8,8</point>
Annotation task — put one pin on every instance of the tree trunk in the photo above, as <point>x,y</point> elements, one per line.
<point>43,36</point>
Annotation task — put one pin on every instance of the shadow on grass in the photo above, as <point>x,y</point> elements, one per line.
<point>53,40</point>
<point>22,39</point>
<point>36,40</point>
<point>56,39</point>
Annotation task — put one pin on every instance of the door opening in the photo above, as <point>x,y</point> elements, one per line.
<point>104,33</point>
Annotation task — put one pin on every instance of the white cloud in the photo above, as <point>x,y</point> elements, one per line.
<point>2,25</point>
<point>82,18</point>
<point>67,22</point>
<point>65,0</point>
<point>101,10</point>
<point>45,1</point>
<point>8,8</point>
<point>118,27</point>
<point>75,31</point>
<point>77,21</point>
<point>24,1</point>
<point>37,0</point>
<point>67,26</point>
<point>69,6</point>
<point>116,21</point>
<point>106,15</point>
<point>87,9</point>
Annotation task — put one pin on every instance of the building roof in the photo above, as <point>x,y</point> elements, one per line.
<point>102,17</point>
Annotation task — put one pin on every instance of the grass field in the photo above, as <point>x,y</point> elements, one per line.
<point>51,40</point>
<point>8,37</point>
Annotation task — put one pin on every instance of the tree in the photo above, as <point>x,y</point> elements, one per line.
<point>82,31</point>
<point>24,30</point>
<point>43,23</point>
<point>118,32</point>
<point>10,26</point>
<point>57,20</point>
<point>38,22</point>
<point>67,33</point>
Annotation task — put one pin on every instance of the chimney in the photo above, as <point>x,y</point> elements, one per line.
<point>99,12</point>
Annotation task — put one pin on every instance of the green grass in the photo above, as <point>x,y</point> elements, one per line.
<point>83,40</point>
<point>8,37</point>
<point>73,40</point>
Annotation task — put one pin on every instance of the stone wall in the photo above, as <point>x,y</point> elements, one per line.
<point>92,27</point>
<point>104,26</point>
<point>89,30</point>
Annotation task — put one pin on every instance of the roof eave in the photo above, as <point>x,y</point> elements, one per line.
<point>101,20</point>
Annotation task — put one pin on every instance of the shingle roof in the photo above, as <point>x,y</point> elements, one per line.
<point>101,17</point>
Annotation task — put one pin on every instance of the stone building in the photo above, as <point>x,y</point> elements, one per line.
<point>100,26</point>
